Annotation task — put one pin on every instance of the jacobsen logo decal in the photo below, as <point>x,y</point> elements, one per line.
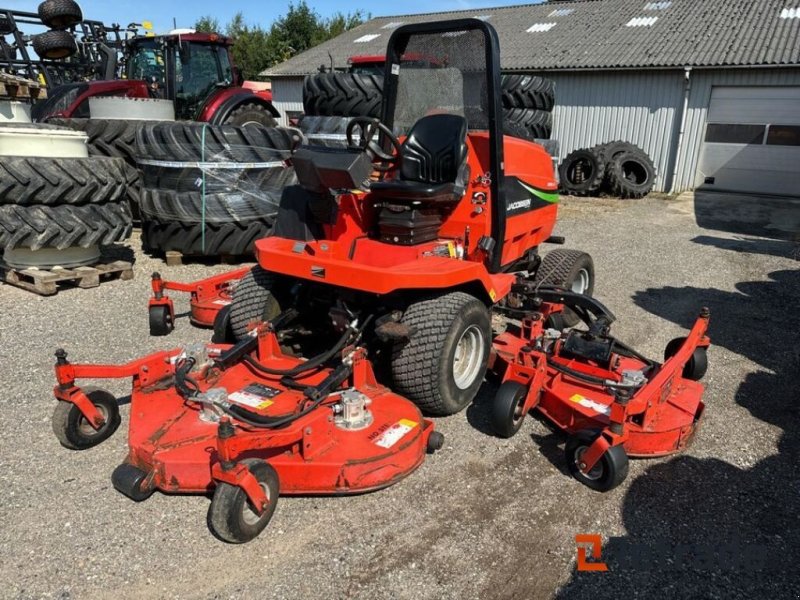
<point>519,205</point>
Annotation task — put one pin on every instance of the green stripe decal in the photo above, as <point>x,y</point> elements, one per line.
<point>552,198</point>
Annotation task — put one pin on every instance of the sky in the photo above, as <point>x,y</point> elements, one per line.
<point>262,12</point>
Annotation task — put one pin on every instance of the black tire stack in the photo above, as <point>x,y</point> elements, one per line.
<point>210,190</point>
<point>61,203</point>
<point>616,168</point>
<point>59,16</point>
<point>528,102</point>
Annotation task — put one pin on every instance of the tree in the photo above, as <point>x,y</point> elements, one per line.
<point>207,24</point>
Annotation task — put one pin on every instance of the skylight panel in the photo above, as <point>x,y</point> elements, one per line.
<point>482,17</point>
<point>790,13</point>
<point>641,22</point>
<point>657,5</point>
<point>392,25</point>
<point>366,38</point>
<point>540,27</point>
<point>561,12</point>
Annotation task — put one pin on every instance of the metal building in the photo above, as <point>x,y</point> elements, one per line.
<point>710,89</point>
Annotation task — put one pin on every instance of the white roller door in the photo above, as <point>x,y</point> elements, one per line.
<point>752,141</point>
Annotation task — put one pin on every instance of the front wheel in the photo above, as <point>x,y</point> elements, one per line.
<point>251,114</point>
<point>441,368</point>
<point>231,517</point>
<point>608,473</point>
<point>75,432</point>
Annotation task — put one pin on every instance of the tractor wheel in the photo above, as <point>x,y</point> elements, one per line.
<point>582,172</point>
<point>258,189</point>
<point>192,142</point>
<point>75,432</point>
<point>29,181</point>
<point>231,517</point>
<point>54,45</point>
<point>60,14</point>
<point>325,131</point>
<point>61,227</point>
<point>253,301</point>
<point>610,470</point>
<point>610,150</point>
<point>160,321</point>
<point>193,239</point>
<point>528,91</point>
<point>696,367</point>
<point>507,410</point>
<point>251,114</point>
<point>528,124</point>
<point>442,366</point>
<point>343,95</point>
<point>572,270</point>
<point>631,175</point>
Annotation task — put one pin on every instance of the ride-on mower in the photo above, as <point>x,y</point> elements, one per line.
<point>400,271</point>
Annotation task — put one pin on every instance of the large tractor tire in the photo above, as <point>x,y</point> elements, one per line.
<point>330,132</point>
<point>572,270</point>
<point>29,181</point>
<point>191,142</point>
<point>343,95</point>
<point>631,175</point>
<point>221,239</point>
<point>253,300</point>
<point>220,208</point>
<point>582,172</point>
<point>60,14</point>
<point>441,367</point>
<point>610,150</point>
<point>528,124</point>
<point>528,91</point>
<point>54,45</point>
<point>61,227</point>
<point>251,114</point>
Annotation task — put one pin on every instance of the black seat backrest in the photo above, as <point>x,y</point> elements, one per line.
<point>435,149</point>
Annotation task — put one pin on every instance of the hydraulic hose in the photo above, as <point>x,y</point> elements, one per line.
<point>590,378</point>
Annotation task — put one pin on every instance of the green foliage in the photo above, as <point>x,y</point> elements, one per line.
<point>298,30</point>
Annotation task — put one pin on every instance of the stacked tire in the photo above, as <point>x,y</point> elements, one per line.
<point>528,102</point>
<point>59,16</point>
<point>617,168</point>
<point>66,200</point>
<point>210,190</point>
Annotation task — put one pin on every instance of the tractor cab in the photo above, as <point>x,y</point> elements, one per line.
<point>443,180</point>
<point>186,68</point>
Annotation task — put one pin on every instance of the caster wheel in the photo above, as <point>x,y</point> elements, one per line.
<point>435,442</point>
<point>160,321</point>
<point>696,367</point>
<point>610,470</point>
<point>130,481</point>
<point>508,409</point>
<point>231,516</point>
<point>223,330</point>
<point>75,432</point>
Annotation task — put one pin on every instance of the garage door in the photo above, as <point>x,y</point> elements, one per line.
<point>752,141</point>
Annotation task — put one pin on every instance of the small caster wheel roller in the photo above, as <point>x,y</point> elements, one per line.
<point>508,409</point>
<point>223,330</point>
<point>132,481</point>
<point>696,367</point>
<point>435,442</point>
<point>75,432</point>
<point>231,517</point>
<point>610,470</point>
<point>161,322</point>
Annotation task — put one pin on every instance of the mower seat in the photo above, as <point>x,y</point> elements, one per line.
<point>433,163</point>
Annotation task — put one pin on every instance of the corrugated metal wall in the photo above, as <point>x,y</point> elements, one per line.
<point>287,96</point>
<point>641,108</point>
<point>699,98</point>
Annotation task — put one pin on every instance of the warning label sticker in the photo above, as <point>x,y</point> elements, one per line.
<point>396,433</point>
<point>255,396</point>
<point>591,404</point>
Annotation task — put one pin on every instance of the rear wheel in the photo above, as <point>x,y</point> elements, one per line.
<point>231,517</point>
<point>251,114</point>
<point>253,301</point>
<point>569,269</point>
<point>442,366</point>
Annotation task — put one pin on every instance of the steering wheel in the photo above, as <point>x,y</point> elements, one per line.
<point>371,127</point>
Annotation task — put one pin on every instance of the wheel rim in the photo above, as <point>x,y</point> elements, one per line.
<point>519,413</point>
<point>468,358</point>
<point>85,428</point>
<point>250,516</point>
<point>581,282</point>
<point>596,472</point>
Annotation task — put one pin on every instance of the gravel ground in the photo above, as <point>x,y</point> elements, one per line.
<point>485,517</point>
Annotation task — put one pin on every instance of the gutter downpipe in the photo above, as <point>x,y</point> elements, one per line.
<point>687,73</point>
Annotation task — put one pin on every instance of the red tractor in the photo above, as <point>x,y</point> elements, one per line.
<point>194,70</point>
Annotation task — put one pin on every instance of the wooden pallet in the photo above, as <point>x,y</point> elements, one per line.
<point>19,88</point>
<point>45,282</point>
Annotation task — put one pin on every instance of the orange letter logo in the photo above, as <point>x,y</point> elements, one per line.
<point>596,550</point>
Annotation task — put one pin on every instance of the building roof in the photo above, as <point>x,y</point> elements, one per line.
<point>602,34</point>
